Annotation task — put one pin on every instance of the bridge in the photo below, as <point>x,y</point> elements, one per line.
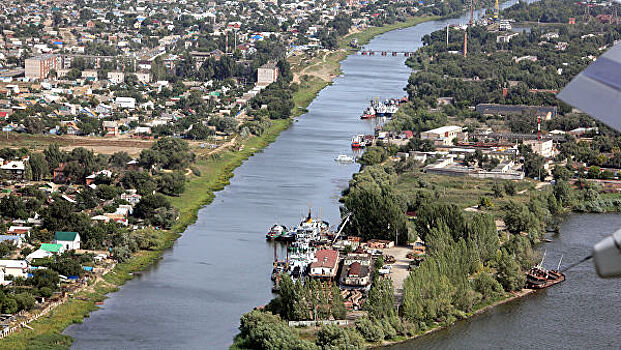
<point>385,53</point>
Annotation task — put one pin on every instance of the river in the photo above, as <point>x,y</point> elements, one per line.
<point>220,267</point>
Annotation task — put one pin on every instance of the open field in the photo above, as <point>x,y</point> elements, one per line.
<point>312,75</point>
<point>105,145</point>
<point>464,192</point>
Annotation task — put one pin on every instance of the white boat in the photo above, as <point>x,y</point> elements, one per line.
<point>343,158</point>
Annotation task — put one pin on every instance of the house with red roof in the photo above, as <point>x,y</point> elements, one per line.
<point>325,264</point>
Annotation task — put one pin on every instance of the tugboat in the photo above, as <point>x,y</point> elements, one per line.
<point>358,141</point>
<point>369,113</point>
<point>275,232</point>
<point>539,277</point>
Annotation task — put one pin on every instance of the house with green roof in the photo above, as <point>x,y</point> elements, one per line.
<point>45,251</point>
<point>69,240</point>
<point>52,248</point>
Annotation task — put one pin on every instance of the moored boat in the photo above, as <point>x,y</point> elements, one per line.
<point>357,141</point>
<point>343,158</point>
<point>369,113</point>
<point>275,232</point>
<point>539,277</point>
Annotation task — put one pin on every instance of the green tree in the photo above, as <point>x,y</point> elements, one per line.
<point>171,184</point>
<point>119,159</point>
<point>486,285</point>
<point>107,192</point>
<point>381,301</point>
<point>370,330</point>
<point>54,156</point>
<point>263,330</point>
<point>38,166</point>
<point>518,218</point>
<point>509,273</point>
<point>148,205</point>
<point>498,190</point>
<point>561,173</point>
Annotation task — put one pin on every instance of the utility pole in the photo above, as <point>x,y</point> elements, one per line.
<point>465,53</point>
<point>396,238</point>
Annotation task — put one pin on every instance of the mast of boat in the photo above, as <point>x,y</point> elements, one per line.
<point>287,247</point>
<point>543,258</point>
<point>558,268</point>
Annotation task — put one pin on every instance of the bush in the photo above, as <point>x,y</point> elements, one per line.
<point>371,331</point>
<point>121,253</point>
<point>485,202</point>
<point>485,284</point>
<point>335,338</point>
<point>389,331</point>
<point>264,330</point>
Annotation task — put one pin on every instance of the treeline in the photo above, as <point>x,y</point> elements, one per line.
<point>307,300</point>
<point>441,71</point>
<point>466,266</point>
<point>553,11</point>
<point>376,209</point>
<point>277,97</point>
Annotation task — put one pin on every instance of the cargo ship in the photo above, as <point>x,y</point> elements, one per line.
<point>539,277</point>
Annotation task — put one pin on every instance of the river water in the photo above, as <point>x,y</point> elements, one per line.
<point>220,267</point>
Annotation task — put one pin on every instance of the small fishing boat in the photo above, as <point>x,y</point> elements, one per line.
<point>369,113</point>
<point>343,158</point>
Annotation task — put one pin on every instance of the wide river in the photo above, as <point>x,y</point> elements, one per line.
<point>220,267</point>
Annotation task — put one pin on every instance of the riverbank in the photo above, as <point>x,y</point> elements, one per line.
<point>216,169</point>
<point>313,74</point>
<point>482,309</point>
<point>365,35</point>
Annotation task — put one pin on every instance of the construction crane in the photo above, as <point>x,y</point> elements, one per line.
<point>336,236</point>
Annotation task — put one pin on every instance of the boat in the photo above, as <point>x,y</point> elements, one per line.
<point>358,141</point>
<point>369,113</point>
<point>343,158</point>
<point>391,109</point>
<point>380,109</point>
<point>539,277</point>
<point>275,232</point>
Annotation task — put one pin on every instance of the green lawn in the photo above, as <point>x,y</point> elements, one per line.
<point>462,191</point>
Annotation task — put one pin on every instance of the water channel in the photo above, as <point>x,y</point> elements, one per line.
<point>219,268</point>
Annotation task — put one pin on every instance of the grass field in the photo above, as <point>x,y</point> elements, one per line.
<point>461,191</point>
